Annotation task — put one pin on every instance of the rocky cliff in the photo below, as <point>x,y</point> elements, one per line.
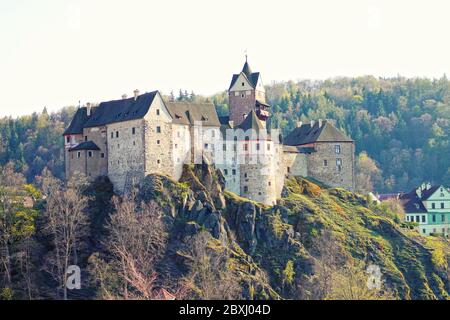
<point>277,252</point>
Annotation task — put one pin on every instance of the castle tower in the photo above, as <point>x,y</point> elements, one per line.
<point>246,93</point>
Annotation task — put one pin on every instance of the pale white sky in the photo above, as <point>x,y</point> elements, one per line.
<point>54,53</point>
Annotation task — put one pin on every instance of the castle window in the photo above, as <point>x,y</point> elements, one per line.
<point>134,143</point>
<point>213,133</point>
<point>158,141</point>
<point>325,163</point>
<point>68,139</point>
<point>270,183</point>
<point>112,135</point>
<point>417,218</point>
<point>206,146</point>
<point>158,162</point>
<point>157,112</point>
<point>245,175</point>
<point>434,218</point>
<point>337,149</point>
<point>245,189</point>
<point>158,129</point>
<point>423,219</point>
<point>288,169</point>
<point>90,154</point>
<point>243,84</point>
<point>257,147</point>
<point>133,130</point>
<point>78,154</point>
<point>433,205</point>
<point>268,147</point>
<point>442,205</point>
<point>224,147</point>
<point>442,218</point>
<point>225,171</point>
<point>117,134</point>
<point>102,155</point>
<point>85,138</point>
<point>234,172</point>
<point>246,147</point>
<point>424,231</point>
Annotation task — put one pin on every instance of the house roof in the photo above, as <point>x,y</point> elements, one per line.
<point>411,203</point>
<point>78,121</point>
<point>189,113</point>
<point>121,110</point>
<point>252,122</point>
<point>252,77</point>
<point>86,145</point>
<point>262,103</point>
<point>308,133</point>
<point>429,192</point>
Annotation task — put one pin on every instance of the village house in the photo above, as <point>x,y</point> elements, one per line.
<point>130,138</point>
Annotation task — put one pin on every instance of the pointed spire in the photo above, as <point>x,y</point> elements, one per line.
<point>246,69</point>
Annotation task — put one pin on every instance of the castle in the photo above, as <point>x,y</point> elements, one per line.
<point>130,138</point>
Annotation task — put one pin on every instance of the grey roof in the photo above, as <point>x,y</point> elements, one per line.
<point>252,77</point>
<point>188,113</point>
<point>252,122</point>
<point>411,203</point>
<point>293,149</point>
<point>310,134</point>
<point>121,110</point>
<point>77,123</point>
<point>86,145</point>
<point>429,192</point>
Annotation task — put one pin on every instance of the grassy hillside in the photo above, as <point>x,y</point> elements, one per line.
<point>287,251</point>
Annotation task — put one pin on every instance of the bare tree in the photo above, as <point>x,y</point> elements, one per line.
<point>137,241</point>
<point>66,224</point>
<point>210,277</point>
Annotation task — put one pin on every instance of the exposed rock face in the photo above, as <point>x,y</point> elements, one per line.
<point>264,239</point>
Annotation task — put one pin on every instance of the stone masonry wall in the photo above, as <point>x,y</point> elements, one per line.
<point>328,172</point>
<point>125,152</point>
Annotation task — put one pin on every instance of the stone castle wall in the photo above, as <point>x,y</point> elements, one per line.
<point>125,152</point>
<point>322,164</point>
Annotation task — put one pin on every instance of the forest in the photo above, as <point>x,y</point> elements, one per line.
<point>401,127</point>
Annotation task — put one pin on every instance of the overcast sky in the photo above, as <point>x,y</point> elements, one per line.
<point>54,53</point>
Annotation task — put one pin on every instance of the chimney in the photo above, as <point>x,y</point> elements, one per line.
<point>88,109</point>
<point>419,193</point>
<point>428,186</point>
<point>313,123</point>
<point>320,123</point>
<point>124,96</point>
<point>299,124</point>
<point>136,94</point>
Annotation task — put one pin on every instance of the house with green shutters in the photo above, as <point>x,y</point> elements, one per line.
<point>429,207</point>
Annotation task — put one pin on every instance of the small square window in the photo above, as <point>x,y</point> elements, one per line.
<point>68,139</point>
<point>158,129</point>
<point>442,205</point>
<point>270,183</point>
<point>133,130</point>
<point>102,155</point>
<point>157,112</point>
<point>158,161</point>
<point>325,163</point>
<point>433,205</point>
<point>243,84</point>
<point>245,189</point>
<point>117,134</point>
<point>225,171</point>
<point>257,146</point>
<point>78,154</point>
<point>90,154</point>
<point>112,135</point>
<point>158,141</point>
<point>234,172</point>
<point>85,138</point>
<point>337,149</point>
<point>423,219</point>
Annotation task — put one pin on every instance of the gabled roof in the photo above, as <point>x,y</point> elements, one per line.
<point>121,110</point>
<point>252,122</point>
<point>411,203</point>
<point>252,77</point>
<point>77,123</point>
<point>427,193</point>
<point>188,113</point>
<point>306,134</point>
<point>86,145</point>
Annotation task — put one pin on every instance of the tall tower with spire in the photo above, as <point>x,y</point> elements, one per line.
<point>246,93</point>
